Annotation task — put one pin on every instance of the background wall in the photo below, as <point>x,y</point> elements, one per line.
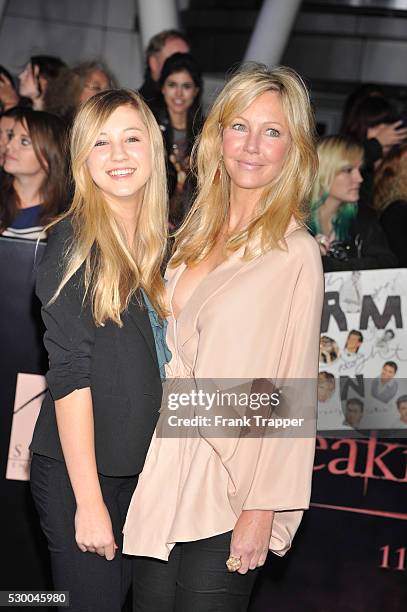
<point>345,47</point>
<point>334,44</point>
<point>75,30</point>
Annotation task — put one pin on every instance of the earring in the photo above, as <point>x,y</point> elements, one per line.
<point>219,172</point>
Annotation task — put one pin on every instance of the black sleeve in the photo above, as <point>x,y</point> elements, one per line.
<point>373,151</point>
<point>70,330</point>
<point>394,224</point>
<point>375,251</point>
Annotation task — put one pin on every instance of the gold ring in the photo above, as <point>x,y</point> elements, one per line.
<point>233,563</point>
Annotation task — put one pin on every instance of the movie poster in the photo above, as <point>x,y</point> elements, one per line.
<point>363,352</point>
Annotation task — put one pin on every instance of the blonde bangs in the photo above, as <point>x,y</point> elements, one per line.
<point>334,154</point>
<point>113,270</point>
<point>288,195</point>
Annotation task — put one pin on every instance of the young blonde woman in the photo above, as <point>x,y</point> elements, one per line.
<point>245,290</point>
<point>349,235</point>
<point>99,282</point>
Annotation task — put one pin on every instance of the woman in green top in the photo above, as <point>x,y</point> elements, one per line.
<point>349,236</point>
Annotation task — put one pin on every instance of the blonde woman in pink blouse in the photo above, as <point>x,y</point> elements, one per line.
<point>245,291</point>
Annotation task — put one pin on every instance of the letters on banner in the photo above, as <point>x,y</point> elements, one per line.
<point>362,383</point>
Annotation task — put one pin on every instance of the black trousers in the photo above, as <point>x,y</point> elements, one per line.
<point>195,579</point>
<point>94,584</point>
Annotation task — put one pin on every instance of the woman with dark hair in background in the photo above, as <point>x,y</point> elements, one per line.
<point>34,186</point>
<point>179,116</point>
<point>74,86</point>
<point>355,97</point>
<point>160,46</point>
<point>349,235</point>
<point>371,122</point>
<point>373,119</point>
<point>36,76</point>
<point>390,201</point>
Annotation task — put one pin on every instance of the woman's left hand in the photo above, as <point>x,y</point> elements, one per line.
<point>251,538</point>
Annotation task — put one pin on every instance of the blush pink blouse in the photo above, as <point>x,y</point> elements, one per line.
<point>246,319</point>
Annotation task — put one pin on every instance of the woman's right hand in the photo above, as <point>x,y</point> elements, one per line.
<point>93,530</point>
<point>388,134</point>
<point>323,242</point>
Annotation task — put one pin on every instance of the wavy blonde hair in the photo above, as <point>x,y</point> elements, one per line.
<point>286,196</point>
<point>391,179</point>
<point>335,153</point>
<point>113,270</point>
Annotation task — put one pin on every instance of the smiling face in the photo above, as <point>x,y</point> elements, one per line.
<point>256,143</point>
<point>346,184</point>
<point>21,160</point>
<point>179,91</point>
<point>120,162</point>
<point>388,372</point>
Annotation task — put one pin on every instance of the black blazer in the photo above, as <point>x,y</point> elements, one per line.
<point>119,364</point>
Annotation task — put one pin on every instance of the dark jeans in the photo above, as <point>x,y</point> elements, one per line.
<point>195,579</point>
<point>94,584</point>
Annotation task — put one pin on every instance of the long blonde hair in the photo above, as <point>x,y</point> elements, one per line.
<point>113,271</point>
<point>285,197</point>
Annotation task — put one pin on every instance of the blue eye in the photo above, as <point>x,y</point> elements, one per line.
<point>239,127</point>
<point>273,132</point>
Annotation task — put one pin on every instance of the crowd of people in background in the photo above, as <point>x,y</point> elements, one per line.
<point>358,212</point>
